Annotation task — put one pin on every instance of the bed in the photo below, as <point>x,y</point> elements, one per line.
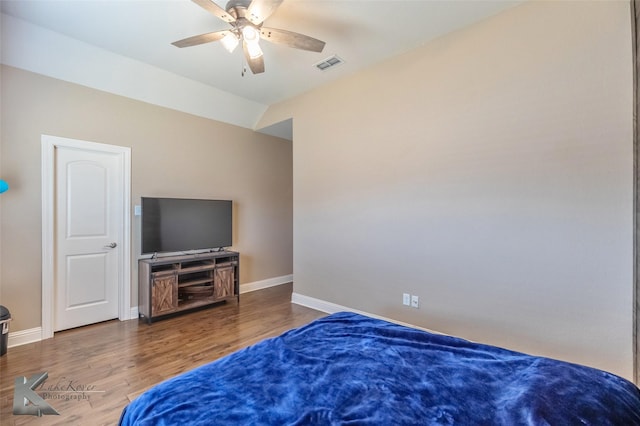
<point>349,369</point>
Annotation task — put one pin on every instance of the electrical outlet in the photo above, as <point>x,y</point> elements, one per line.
<point>415,301</point>
<point>406,299</point>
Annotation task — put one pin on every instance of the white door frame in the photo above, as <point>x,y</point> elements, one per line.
<point>49,144</point>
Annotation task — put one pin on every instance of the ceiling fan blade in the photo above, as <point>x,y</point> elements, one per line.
<point>256,63</point>
<point>291,39</point>
<point>215,10</point>
<point>259,10</point>
<point>201,39</point>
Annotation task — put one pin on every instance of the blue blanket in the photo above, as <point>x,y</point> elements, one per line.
<point>348,369</point>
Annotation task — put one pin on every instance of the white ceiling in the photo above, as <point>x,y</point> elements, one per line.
<point>361,32</point>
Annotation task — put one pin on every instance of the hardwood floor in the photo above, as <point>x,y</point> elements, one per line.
<point>119,360</point>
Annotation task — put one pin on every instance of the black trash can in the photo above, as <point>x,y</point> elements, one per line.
<point>5,317</point>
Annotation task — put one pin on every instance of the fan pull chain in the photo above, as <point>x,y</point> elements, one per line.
<point>243,64</point>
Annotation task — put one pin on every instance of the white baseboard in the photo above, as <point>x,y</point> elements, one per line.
<point>318,304</point>
<point>23,337</point>
<point>332,308</point>
<point>271,282</point>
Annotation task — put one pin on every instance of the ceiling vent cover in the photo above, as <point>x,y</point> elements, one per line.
<point>330,62</point>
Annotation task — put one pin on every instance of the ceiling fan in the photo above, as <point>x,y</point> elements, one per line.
<point>246,18</point>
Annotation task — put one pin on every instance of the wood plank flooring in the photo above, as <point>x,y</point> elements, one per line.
<point>119,360</point>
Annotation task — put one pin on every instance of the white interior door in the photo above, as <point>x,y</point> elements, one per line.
<point>88,225</point>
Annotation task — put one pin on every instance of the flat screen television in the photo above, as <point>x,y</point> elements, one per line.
<point>180,224</point>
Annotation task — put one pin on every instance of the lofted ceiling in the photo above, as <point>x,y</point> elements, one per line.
<point>360,32</point>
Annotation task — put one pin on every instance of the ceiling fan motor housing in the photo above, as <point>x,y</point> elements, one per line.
<point>237,8</point>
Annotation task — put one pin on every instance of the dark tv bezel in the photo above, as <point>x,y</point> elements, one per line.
<point>184,250</point>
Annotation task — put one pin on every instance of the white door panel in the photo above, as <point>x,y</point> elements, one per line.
<point>87,200</point>
<point>82,269</point>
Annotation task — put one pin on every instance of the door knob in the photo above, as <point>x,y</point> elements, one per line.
<point>112,245</point>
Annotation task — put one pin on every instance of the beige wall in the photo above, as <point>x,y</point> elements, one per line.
<point>489,173</point>
<point>173,154</point>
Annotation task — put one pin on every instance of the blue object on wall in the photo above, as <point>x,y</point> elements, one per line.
<point>4,186</point>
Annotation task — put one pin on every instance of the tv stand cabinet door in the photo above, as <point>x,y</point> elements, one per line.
<point>164,294</point>
<point>223,282</point>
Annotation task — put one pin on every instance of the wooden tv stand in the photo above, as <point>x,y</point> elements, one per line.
<point>168,285</point>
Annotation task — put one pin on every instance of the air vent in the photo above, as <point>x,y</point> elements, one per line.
<point>330,62</point>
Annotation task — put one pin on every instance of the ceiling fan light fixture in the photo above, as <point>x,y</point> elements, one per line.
<point>254,50</point>
<point>251,37</point>
<point>230,42</point>
<point>250,34</point>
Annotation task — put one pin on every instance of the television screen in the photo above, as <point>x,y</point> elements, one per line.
<point>178,224</point>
